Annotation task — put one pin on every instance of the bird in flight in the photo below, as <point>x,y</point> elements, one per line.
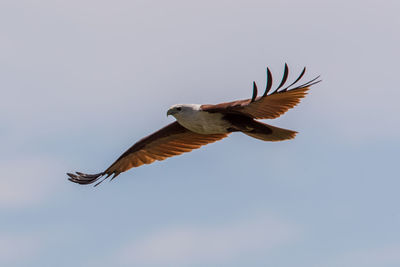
<point>197,125</point>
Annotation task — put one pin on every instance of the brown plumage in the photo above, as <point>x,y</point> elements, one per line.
<point>167,142</point>
<point>267,106</point>
<point>198,125</point>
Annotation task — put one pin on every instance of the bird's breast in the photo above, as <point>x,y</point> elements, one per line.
<point>203,122</point>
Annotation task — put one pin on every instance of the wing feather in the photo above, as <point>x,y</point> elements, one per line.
<point>268,106</point>
<point>169,141</point>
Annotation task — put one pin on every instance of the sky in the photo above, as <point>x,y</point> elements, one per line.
<point>81,81</point>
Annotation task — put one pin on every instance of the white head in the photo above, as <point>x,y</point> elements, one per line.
<point>180,110</point>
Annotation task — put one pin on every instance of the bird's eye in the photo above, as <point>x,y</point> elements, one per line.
<point>179,109</point>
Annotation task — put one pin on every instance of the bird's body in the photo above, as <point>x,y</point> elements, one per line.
<point>193,118</point>
<point>197,125</point>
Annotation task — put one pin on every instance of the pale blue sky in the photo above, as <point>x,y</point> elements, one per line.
<point>81,81</point>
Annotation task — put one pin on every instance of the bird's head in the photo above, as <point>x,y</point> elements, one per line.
<point>180,109</point>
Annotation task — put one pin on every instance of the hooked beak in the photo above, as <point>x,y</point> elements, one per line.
<point>170,112</point>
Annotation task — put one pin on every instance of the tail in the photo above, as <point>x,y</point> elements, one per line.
<point>267,132</point>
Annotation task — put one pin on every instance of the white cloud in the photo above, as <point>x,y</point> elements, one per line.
<point>26,182</point>
<point>202,244</point>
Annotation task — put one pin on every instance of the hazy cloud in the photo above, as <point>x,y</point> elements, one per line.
<point>373,257</point>
<point>202,244</point>
<point>27,182</point>
<point>18,249</point>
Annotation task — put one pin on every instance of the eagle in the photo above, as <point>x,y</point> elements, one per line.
<point>197,125</point>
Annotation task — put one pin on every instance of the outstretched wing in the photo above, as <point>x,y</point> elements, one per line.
<point>169,141</point>
<point>269,105</point>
